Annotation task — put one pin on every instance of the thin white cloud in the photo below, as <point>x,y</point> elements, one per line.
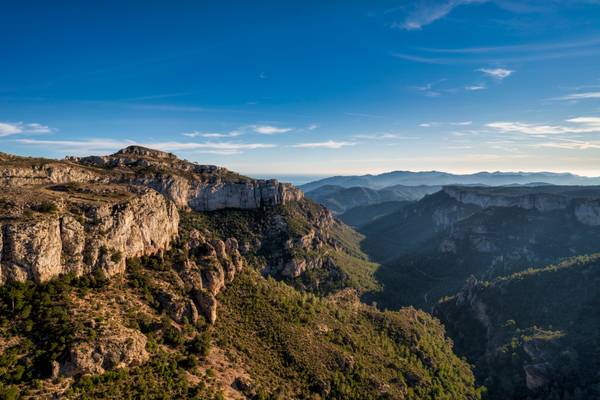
<point>577,125</point>
<point>440,124</point>
<point>497,73</point>
<point>194,134</point>
<point>269,129</point>
<point>585,120</point>
<point>15,128</point>
<point>523,48</point>
<point>430,89</point>
<point>330,144</point>
<point>312,127</point>
<point>473,88</point>
<point>571,145</point>
<point>425,13</point>
<point>579,96</point>
<point>382,136</point>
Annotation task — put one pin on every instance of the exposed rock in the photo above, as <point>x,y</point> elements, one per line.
<point>219,262</point>
<point>201,187</point>
<point>180,309</point>
<point>528,201</point>
<point>585,203</point>
<point>102,236</point>
<point>208,304</point>
<point>536,375</point>
<point>31,250</point>
<point>588,212</point>
<point>213,278</point>
<point>122,348</point>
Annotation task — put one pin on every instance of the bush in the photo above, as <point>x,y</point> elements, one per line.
<point>46,207</point>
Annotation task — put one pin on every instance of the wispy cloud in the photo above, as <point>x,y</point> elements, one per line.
<point>95,145</point>
<point>15,128</point>
<point>269,129</point>
<point>519,48</point>
<point>575,126</point>
<point>529,52</point>
<point>430,89</point>
<point>571,145</point>
<point>473,88</point>
<point>194,134</point>
<point>439,124</point>
<point>330,144</point>
<point>579,96</point>
<point>383,136</point>
<point>497,73</point>
<point>425,13</point>
<point>171,108</point>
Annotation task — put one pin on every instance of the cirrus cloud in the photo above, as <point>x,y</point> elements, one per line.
<point>16,128</point>
<point>576,125</point>
<point>269,129</point>
<point>330,144</point>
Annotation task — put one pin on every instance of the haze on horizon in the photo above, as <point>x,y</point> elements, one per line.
<point>282,88</point>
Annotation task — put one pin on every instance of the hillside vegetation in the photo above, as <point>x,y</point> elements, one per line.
<point>534,334</point>
<point>270,341</point>
<point>429,249</point>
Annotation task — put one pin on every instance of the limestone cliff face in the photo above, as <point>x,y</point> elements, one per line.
<point>19,171</point>
<point>584,205</point>
<point>200,187</point>
<point>220,194</point>
<point>538,201</point>
<point>83,237</point>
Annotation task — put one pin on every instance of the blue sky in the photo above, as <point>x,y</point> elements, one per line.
<point>312,87</point>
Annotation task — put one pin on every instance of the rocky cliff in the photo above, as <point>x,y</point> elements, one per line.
<point>579,200</point>
<point>201,187</point>
<point>54,230</point>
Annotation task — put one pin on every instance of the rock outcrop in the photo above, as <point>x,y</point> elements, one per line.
<point>528,201</point>
<point>584,202</point>
<point>201,187</point>
<point>112,207</point>
<point>76,235</point>
<point>216,264</point>
<point>120,348</point>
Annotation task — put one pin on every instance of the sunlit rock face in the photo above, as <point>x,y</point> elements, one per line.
<point>81,236</point>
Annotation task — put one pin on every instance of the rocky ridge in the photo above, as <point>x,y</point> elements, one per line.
<point>583,201</point>
<point>200,187</point>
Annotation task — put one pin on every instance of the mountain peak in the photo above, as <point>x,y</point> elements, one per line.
<point>142,151</point>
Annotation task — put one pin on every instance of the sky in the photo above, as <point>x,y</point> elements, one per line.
<point>273,88</point>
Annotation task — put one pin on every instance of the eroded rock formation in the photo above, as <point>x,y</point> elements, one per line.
<point>77,234</point>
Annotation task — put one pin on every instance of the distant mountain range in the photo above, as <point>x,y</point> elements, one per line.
<point>437,178</point>
<point>340,199</point>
